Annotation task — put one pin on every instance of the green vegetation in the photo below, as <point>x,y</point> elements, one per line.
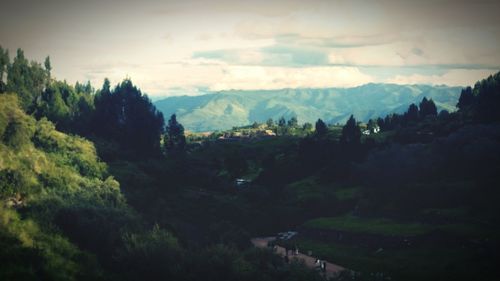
<point>372,226</point>
<point>45,174</point>
<point>417,201</point>
<point>422,263</point>
<point>63,215</point>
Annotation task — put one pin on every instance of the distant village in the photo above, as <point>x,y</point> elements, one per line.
<point>260,131</point>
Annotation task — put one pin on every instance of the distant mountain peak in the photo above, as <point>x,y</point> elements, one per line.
<point>226,109</point>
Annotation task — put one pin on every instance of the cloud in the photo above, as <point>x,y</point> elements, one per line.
<point>260,77</point>
<point>275,55</point>
<point>454,77</point>
<point>336,41</point>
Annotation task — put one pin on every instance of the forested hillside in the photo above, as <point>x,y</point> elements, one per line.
<point>63,215</point>
<point>94,185</point>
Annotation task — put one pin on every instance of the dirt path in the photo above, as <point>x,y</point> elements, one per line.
<point>331,269</point>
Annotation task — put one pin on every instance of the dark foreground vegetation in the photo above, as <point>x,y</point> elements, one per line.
<point>95,186</point>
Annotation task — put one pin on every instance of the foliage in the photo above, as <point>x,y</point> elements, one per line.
<point>480,102</point>
<point>174,139</point>
<point>27,79</point>
<point>321,128</point>
<point>128,117</point>
<point>429,177</point>
<point>351,132</point>
<point>374,226</point>
<point>427,107</point>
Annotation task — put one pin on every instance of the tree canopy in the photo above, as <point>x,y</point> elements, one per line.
<point>175,139</point>
<point>351,132</point>
<point>321,129</point>
<point>128,117</point>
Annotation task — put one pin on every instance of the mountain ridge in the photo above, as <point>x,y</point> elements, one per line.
<point>226,109</point>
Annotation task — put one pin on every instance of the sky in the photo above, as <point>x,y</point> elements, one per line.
<point>190,47</point>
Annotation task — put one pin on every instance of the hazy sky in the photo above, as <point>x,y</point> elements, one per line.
<point>187,47</point>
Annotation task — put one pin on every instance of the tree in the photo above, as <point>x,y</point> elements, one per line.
<point>27,80</point>
<point>270,122</point>
<point>282,129</point>
<point>293,122</point>
<point>466,99</point>
<point>48,66</point>
<point>175,134</point>
<point>282,122</point>
<point>372,124</point>
<point>321,129</point>
<point>487,96</point>
<point>427,108</point>
<point>4,65</point>
<point>411,116</point>
<point>443,114</point>
<point>128,117</point>
<point>307,127</point>
<point>381,123</point>
<point>351,132</point>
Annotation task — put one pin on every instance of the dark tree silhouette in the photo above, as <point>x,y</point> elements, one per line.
<point>175,139</point>
<point>381,123</point>
<point>48,66</point>
<point>307,127</point>
<point>411,116</point>
<point>321,128</point>
<point>427,107</point>
<point>351,132</point>
<point>282,122</point>
<point>128,117</point>
<point>293,122</point>
<point>466,99</point>
<point>481,102</point>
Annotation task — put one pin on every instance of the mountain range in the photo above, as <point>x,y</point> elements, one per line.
<point>226,109</point>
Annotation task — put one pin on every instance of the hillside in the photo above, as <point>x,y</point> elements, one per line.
<point>52,187</point>
<point>124,197</point>
<point>226,109</point>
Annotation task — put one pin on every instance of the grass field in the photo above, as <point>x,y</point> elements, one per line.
<point>387,227</point>
<point>380,226</point>
<point>399,264</point>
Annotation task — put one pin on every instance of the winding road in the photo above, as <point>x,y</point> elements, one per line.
<point>332,270</point>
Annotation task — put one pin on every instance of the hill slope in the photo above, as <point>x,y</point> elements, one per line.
<point>226,109</point>
<point>52,189</point>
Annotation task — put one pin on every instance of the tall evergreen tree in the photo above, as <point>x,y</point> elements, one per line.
<point>351,132</point>
<point>411,116</point>
<point>466,99</point>
<point>381,123</point>
<point>321,129</point>
<point>175,135</point>
<point>128,117</point>
<point>48,66</point>
<point>4,65</point>
<point>26,79</point>
<point>427,108</point>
